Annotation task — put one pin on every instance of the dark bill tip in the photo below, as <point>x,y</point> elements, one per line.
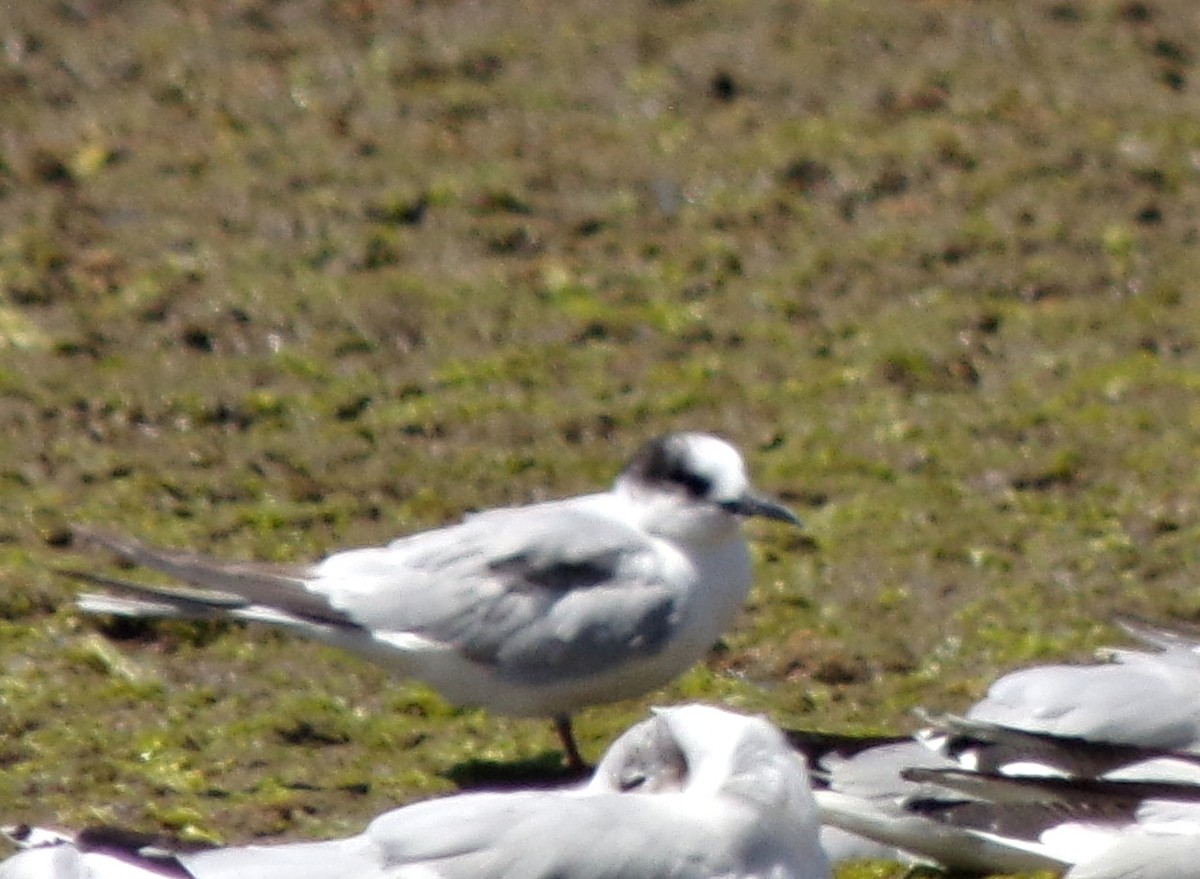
<point>753,505</point>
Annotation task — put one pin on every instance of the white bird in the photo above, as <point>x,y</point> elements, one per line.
<point>694,792</point>
<point>1148,699</point>
<point>1129,727</point>
<point>526,611</point>
<point>981,821</point>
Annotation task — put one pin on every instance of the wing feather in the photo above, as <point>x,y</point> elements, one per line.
<point>536,593</point>
<point>533,592</point>
<point>536,836</point>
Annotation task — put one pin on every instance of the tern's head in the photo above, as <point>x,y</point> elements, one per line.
<point>708,751</point>
<point>646,759</point>
<point>698,752</point>
<point>698,477</point>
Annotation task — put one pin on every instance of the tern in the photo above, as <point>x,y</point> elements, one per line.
<point>535,610</point>
<point>695,792</point>
<point>1092,769</point>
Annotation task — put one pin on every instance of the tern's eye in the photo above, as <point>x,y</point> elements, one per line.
<point>693,483</point>
<point>631,780</point>
<point>667,463</point>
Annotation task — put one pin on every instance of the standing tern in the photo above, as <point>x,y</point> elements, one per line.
<point>537,610</point>
<point>694,792</point>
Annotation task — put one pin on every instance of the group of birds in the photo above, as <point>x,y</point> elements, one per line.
<point>1092,770</point>
<point>543,609</point>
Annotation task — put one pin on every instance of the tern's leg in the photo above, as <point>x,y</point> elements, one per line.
<point>562,725</point>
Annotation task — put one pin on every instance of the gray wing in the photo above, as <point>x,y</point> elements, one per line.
<point>993,748</point>
<point>535,592</point>
<point>533,835</point>
<point>1162,845</point>
<point>872,798</point>
<point>1149,704</point>
<point>540,836</point>
<point>354,857</point>
<point>1174,637</point>
<point>876,772</point>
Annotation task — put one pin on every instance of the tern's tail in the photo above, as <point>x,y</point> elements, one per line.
<point>278,593</point>
<point>95,603</point>
<point>147,601</point>
<point>141,600</point>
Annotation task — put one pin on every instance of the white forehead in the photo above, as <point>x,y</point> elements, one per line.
<point>717,461</point>
<point>712,738</point>
<point>705,732</point>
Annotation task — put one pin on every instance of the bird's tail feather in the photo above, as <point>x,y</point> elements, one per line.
<point>155,602</point>
<point>206,573</point>
<point>143,600</point>
<point>96,604</point>
<point>232,584</point>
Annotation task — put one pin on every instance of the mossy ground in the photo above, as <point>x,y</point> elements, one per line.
<point>281,277</point>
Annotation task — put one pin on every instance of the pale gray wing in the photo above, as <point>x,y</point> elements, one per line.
<point>535,592</point>
<point>535,835</point>
<point>1149,704</point>
<point>1162,845</point>
<point>987,747</point>
<point>548,836</point>
<point>354,857</point>
<point>877,772</point>
<point>878,796</point>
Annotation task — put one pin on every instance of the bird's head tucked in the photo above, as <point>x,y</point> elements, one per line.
<point>646,759</point>
<point>704,749</point>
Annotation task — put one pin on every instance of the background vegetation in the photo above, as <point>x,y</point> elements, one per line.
<point>283,276</point>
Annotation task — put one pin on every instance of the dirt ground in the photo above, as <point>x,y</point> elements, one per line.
<point>283,276</point>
